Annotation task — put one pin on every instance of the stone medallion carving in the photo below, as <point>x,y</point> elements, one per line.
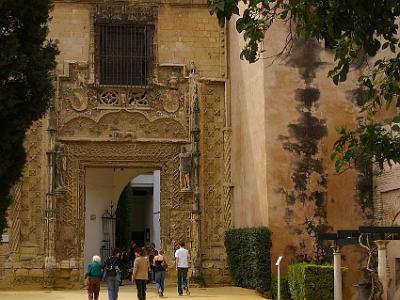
<point>170,101</point>
<point>78,99</point>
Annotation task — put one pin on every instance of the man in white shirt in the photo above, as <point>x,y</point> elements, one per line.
<point>182,266</point>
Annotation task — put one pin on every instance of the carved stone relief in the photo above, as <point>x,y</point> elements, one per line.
<point>134,13</point>
<point>86,111</point>
<point>212,115</point>
<point>31,223</point>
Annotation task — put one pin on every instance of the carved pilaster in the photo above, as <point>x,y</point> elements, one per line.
<point>50,215</point>
<point>195,133</point>
<point>227,132</point>
<point>15,217</point>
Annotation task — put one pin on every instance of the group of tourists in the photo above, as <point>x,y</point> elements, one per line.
<point>149,265</point>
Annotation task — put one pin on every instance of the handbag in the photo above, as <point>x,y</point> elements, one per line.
<point>164,265</point>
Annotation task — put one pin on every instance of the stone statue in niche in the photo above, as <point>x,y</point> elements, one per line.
<point>80,80</point>
<point>185,167</point>
<point>60,167</point>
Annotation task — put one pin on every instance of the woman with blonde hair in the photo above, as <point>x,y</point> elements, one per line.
<point>93,275</point>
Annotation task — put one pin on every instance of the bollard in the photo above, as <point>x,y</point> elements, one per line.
<point>278,265</point>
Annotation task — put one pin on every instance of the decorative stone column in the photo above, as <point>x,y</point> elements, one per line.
<point>50,215</point>
<point>382,262</point>
<point>337,273</point>
<point>195,136</point>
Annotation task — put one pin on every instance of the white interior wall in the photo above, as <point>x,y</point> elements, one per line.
<point>156,209</point>
<point>105,185</point>
<point>99,193</point>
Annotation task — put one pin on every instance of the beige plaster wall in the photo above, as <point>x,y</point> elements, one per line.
<point>284,114</point>
<point>249,163</point>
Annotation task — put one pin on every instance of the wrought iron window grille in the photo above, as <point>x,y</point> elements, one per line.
<point>123,48</point>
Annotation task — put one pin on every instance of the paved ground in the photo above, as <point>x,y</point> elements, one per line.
<point>128,292</point>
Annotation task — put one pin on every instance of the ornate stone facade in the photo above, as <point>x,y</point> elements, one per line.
<point>92,125</point>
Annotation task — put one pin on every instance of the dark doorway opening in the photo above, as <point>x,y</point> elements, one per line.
<point>138,237</point>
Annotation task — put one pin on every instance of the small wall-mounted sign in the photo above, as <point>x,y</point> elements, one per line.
<point>93,217</point>
<point>5,238</point>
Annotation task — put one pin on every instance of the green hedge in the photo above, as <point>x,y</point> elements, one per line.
<point>311,282</point>
<point>248,251</point>
<point>285,289</point>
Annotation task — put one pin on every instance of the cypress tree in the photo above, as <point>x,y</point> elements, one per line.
<point>27,60</point>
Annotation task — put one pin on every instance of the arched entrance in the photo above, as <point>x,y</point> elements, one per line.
<point>116,212</point>
<point>138,212</point>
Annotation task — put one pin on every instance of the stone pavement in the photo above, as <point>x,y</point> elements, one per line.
<point>128,292</point>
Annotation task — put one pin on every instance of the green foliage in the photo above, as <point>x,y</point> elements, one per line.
<point>285,289</point>
<point>248,251</point>
<point>311,282</point>
<point>26,62</point>
<point>124,218</point>
<point>371,140</point>
<point>352,29</point>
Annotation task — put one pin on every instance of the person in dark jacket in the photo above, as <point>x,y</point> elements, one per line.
<point>93,275</point>
<point>112,273</point>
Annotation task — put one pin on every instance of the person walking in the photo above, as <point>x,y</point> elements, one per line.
<point>112,274</point>
<point>182,266</point>
<point>93,275</point>
<point>151,253</point>
<point>160,267</point>
<point>140,273</point>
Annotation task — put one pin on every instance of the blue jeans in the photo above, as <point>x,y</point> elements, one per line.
<point>182,279</point>
<point>113,286</point>
<point>159,279</point>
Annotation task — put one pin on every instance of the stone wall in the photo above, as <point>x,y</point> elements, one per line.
<point>191,34</point>
<point>23,256</point>
<point>387,202</point>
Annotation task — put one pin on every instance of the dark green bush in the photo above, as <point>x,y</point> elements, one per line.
<point>311,282</point>
<point>285,289</point>
<point>248,252</point>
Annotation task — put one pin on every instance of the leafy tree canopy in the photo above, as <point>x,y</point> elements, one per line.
<point>26,62</point>
<point>351,28</point>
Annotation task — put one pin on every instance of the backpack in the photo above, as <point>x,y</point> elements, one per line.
<point>110,268</point>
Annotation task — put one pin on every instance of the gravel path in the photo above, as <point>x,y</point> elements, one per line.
<point>128,292</point>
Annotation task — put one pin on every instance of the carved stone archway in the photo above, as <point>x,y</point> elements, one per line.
<point>70,224</point>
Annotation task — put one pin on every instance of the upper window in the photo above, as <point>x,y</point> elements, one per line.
<point>123,54</point>
<point>124,45</point>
